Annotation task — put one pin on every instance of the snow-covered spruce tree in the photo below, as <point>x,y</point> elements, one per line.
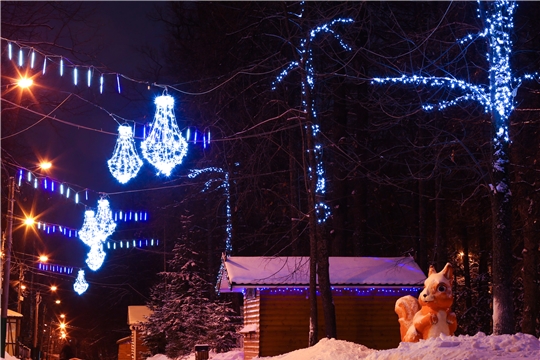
<point>184,313</point>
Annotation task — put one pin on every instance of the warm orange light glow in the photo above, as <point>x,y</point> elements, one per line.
<point>29,221</point>
<point>45,165</point>
<point>43,258</point>
<point>53,288</point>
<point>57,301</point>
<point>63,336</point>
<point>62,326</point>
<point>23,287</point>
<point>62,316</point>
<point>25,82</point>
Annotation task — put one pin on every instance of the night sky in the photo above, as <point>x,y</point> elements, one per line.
<point>79,158</point>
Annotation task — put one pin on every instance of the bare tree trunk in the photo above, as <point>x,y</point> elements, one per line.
<point>293,196</point>
<point>441,256</point>
<point>422,256</point>
<point>466,268</point>
<point>531,244</point>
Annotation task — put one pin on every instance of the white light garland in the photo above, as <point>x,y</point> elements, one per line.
<point>80,285</point>
<point>164,147</point>
<point>125,162</point>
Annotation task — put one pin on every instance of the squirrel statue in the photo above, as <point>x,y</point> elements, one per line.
<point>430,315</point>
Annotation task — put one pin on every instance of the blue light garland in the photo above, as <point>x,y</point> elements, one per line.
<point>341,291</point>
<point>130,244</point>
<point>50,228</point>
<point>60,269</point>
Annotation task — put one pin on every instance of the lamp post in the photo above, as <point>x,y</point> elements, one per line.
<point>7,266</point>
<point>35,349</point>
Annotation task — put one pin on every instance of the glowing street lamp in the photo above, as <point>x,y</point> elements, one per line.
<point>45,165</point>
<point>54,288</point>
<point>43,259</point>
<point>25,82</point>
<point>29,221</point>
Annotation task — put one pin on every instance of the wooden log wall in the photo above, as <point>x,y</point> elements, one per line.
<point>283,321</point>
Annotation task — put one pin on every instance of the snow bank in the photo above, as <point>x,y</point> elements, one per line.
<point>463,347</point>
<point>231,355</point>
<point>327,349</point>
<point>475,347</point>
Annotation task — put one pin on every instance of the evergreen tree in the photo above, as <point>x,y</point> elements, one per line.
<point>184,311</point>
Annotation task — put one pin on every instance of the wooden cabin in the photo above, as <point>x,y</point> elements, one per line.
<point>276,300</point>
<point>131,347</point>
<point>124,348</point>
<point>13,324</point>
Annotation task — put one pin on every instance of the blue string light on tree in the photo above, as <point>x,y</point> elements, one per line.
<point>80,285</point>
<point>498,99</point>
<point>226,187</point>
<point>306,63</point>
<point>125,162</point>
<point>165,147</point>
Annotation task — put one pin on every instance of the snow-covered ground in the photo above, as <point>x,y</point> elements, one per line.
<point>478,347</point>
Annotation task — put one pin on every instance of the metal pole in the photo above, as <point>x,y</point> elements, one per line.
<point>7,266</point>
<point>36,323</point>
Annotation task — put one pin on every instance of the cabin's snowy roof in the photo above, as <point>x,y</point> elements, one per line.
<point>13,314</point>
<point>138,314</point>
<point>250,272</point>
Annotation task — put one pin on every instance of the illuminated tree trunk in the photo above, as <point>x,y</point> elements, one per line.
<point>501,210</point>
<point>318,245</point>
<point>501,97</point>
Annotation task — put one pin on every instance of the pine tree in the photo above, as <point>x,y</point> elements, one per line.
<point>184,311</point>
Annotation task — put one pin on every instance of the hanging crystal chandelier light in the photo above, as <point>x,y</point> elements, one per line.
<point>165,147</point>
<point>125,162</point>
<point>80,285</point>
<point>104,219</point>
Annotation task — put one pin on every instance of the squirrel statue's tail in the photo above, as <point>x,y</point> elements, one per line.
<point>405,308</point>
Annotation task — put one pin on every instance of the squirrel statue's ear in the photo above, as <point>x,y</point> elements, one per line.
<point>448,271</point>
<point>431,270</point>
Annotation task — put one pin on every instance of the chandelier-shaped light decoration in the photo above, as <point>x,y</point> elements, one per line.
<point>125,162</point>
<point>80,285</point>
<point>165,147</point>
<point>104,219</point>
<point>89,233</point>
<point>95,257</point>
<point>95,230</point>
